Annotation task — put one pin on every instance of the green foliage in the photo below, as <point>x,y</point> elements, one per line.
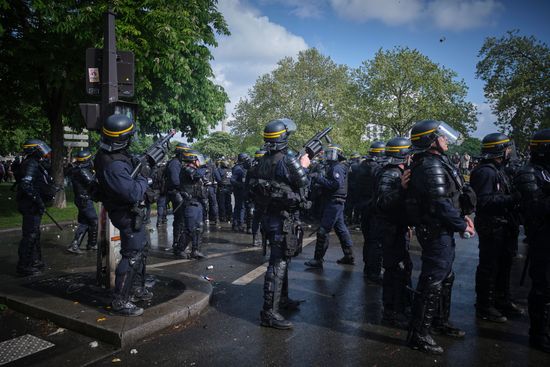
<point>471,145</point>
<point>312,90</point>
<point>42,54</point>
<point>401,86</point>
<point>516,70</point>
<point>218,144</point>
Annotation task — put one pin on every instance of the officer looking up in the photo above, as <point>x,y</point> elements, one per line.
<point>390,209</point>
<point>372,236</point>
<point>433,206</point>
<point>35,190</point>
<point>192,188</point>
<point>335,185</point>
<point>533,181</point>
<point>276,187</point>
<point>173,170</point>
<point>120,193</point>
<point>82,179</point>
<point>496,224</point>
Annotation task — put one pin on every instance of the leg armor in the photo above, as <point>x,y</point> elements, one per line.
<point>273,286</point>
<point>441,322</point>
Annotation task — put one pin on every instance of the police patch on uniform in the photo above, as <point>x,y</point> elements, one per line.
<point>337,175</point>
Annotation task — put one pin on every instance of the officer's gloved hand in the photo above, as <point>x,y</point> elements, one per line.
<point>146,170</point>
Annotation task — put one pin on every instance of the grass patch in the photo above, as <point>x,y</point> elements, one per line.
<point>10,216</point>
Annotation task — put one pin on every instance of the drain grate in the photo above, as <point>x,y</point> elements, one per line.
<point>22,346</point>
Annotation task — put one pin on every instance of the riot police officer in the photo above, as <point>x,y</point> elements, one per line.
<point>224,191</point>
<point>255,217</point>
<point>372,238</point>
<point>533,181</point>
<point>238,177</point>
<point>496,224</point>
<point>120,193</point>
<point>391,212</point>
<point>173,170</point>
<point>35,190</point>
<point>277,188</point>
<point>159,185</point>
<point>211,214</point>
<point>335,185</point>
<point>192,188</point>
<point>82,179</point>
<point>433,206</point>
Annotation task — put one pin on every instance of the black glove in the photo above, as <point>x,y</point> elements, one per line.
<point>145,170</point>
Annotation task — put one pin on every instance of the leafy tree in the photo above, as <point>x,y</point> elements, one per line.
<point>471,145</point>
<point>401,86</point>
<point>516,70</point>
<point>312,90</point>
<point>42,50</point>
<point>218,144</point>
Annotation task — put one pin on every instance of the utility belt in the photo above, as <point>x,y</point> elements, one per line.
<point>431,231</point>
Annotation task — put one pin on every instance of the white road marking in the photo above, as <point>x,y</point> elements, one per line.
<point>250,276</point>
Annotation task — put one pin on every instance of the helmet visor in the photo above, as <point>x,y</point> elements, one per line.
<point>289,125</point>
<point>453,136</point>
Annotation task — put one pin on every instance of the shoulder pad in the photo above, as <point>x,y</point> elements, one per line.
<point>526,180</point>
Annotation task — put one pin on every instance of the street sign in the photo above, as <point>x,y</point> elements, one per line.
<point>76,144</point>
<point>75,137</point>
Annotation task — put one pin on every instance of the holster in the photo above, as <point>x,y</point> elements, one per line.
<point>138,216</point>
<point>292,229</point>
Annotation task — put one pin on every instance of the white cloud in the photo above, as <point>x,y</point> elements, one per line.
<point>485,121</point>
<point>461,15</point>
<point>301,8</point>
<point>253,49</point>
<point>393,12</point>
<point>454,15</point>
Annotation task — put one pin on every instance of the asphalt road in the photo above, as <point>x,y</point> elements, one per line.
<point>338,323</point>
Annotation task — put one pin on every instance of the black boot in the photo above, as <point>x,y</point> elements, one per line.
<point>196,246</point>
<point>321,247</point>
<point>539,315</point>
<point>485,307</point>
<point>424,308</point>
<point>273,285</point>
<point>181,246</point>
<point>348,256</point>
<point>74,247</point>
<point>92,237</point>
<point>287,303</point>
<point>256,242</point>
<point>441,324</point>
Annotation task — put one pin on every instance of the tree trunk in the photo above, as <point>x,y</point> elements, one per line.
<point>56,139</point>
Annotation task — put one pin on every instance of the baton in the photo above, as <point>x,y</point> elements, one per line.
<point>53,220</point>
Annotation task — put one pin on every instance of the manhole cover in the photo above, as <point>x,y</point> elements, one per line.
<point>14,349</point>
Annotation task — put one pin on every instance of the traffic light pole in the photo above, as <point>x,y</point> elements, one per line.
<point>108,253</point>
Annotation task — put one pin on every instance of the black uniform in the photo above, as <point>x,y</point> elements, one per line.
<point>434,208</point>
<point>497,225</point>
<point>35,189</point>
<point>372,247</point>
<point>351,211</point>
<point>533,181</point>
<point>82,179</point>
<point>224,193</point>
<point>392,220</point>
<point>173,170</point>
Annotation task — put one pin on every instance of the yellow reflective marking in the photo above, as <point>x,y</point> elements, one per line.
<point>423,133</point>
<point>490,145</point>
<point>275,134</point>
<point>117,133</point>
<point>83,158</point>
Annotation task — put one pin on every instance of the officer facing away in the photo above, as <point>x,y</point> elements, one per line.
<point>533,181</point>
<point>276,188</point>
<point>335,185</point>
<point>390,210</point>
<point>35,190</point>
<point>82,178</point>
<point>496,224</point>
<point>433,206</point>
<point>238,177</point>
<point>120,193</point>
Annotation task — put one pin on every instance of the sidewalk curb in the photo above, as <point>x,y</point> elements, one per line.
<point>116,330</point>
<point>48,225</point>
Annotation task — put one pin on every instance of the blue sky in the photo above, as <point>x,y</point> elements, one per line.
<point>351,31</point>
